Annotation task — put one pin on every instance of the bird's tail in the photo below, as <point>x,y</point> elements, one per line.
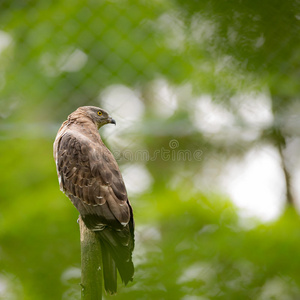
<point>109,271</point>
<point>117,248</point>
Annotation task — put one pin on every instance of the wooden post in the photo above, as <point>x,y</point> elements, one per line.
<point>91,264</point>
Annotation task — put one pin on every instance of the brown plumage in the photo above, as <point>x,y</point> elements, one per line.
<point>89,175</point>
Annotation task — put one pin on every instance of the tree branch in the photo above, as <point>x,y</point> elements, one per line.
<point>287,177</point>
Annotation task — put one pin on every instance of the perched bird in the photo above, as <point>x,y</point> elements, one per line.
<point>89,175</point>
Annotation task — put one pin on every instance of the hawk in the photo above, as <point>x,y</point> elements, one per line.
<point>89,175</point>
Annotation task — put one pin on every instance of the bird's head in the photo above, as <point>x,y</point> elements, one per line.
<point>98,115</point>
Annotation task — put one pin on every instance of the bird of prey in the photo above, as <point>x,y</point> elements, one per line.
<point>89,175</point>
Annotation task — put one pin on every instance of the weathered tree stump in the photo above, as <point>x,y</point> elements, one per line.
<point>91,264</point>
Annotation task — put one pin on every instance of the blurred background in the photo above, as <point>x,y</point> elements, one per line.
<point>206,99</point>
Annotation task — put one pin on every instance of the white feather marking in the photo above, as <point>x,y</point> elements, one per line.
<point>99,227</point>
<point>98,204</point>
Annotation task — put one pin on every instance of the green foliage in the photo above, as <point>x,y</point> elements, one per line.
<point>186,243</point>
<point>262,36</point>
<point>189,244</point>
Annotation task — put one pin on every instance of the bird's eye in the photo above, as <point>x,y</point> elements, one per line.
<point>99,113</point>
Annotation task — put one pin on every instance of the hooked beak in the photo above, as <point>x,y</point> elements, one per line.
<point>112,121</point>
